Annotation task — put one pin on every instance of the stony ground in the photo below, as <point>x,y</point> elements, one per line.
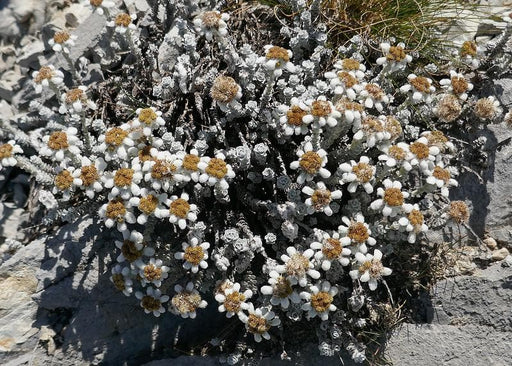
<point>57,305</point>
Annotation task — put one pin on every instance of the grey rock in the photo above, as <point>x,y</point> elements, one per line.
<point>31,51</point>
<point>10,83</point>
<point>500,254</point>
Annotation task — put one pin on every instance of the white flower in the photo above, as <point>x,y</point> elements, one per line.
<point>281,290</point>
<point>276,59</point>
<point>123,23</point>
<point>259,321</point>
<point>397,155</point>
<point>310,163</point>
<point>62,41</point>
<point>100,6</point>
<point>121,278</point>
<point>372,96</point>
<point>118,212</point>
<point>186,301</point>
<point>152,301</point>
<point>441,178</point>
<point>422,154</point>
<point>347,77</point>
<point>226,93</point>
<point>319,300</point>
<point>74,101</point>
<point>414,222</point>
<point>133,247</point>
<point>7,152</point>
<point>392,201</point>
<point>394,58</point>
<point>216,171</point>
<point>194,254</point>
<point>65,183</point>
<point>61,142</point>
<point>297,266</point>
<point>124,181</point>
<point>356,233</point>
<point>356,174</point>
<point>147,119</point>
<point>457,84</point>
<point>291,117</point>
<point>373,130</point>
<point>232,301</point>
<point>189,169</point>
<point>180,210</point>
<point>421,88</point>
<point>46,76</point>
<point>437,138</point>
<point>90,175</point>
<point>321,112</point>
<point>153,272</point>
<point>211,23</point>
<point>150,203</point>
<point>352,112</point>
<point>369,268</point>
<point>331,248</point>
<point>117,143</point>
<point>161,170</point>
<point>487,108</point>
<point>320,198</point>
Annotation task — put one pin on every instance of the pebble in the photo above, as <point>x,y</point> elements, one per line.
<point>491,243</point>
<point>500,254</point>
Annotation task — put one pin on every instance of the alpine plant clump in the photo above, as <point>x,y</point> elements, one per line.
<point>273,183</point>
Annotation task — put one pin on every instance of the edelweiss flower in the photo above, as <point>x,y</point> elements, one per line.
<point>61,41</point>
<point>259,321</point>
<point>153,272</point>
<point>123,23</point>
<point>396,155</point>
<point>189,169</point>
<point>370,269</point>
<point>211,23</point>
<point>61,142</point>
<point>487,108</point>
<point>457,84</point>
<point>7,152</point>
<point>226,92</point>
<point>414,222</point>
<point>297,266</point>
<point>65,183</point>
<point>148,119</point>
<point>320,198</point>
<point>161,170</point>
<point>441,178</point>
<point>332,248</point>
<point>216,171</point>
<point>74,100</point>
<point>281,290</point>
<point>186,301</point>
<point>121,278</point>
<point>150,203</point>
<point>422,155</point>
<point>321,112</point>
<point>347,77</point>
<point>276,59</point>
<point>392,201</point>
<point>292,117</point>
<point>90,175</point>
<point>421,88</point>
<point>372,96</point>
<point>232,301</point>
<point>448,109</point>
<point>133,247</point>
<point>119,212</point>
<point>194,254</point>
<point>437,138</point>
<point>152,301</point>
<point>356,174</point>
<point>356,233</point>
<point>319,300</point>
<point>46,76</point>
<point>394,58</point>
<point>180,210</point>
<point>373,130</point>
<point>310,163</point>
<point>100,6</point>
<point>117,143</point>
<point>470,53</point>
<point>124,182</point>
<point>352,111</point>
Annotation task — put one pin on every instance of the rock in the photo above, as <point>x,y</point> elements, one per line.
<point>491,243</point>
<point>500,254</point>
<point>18,16</point>
<point>508,261</point>
<point>10,83</point>
<point>31,52</point>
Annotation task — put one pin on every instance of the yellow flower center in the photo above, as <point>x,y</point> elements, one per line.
<point>421,84</point>
<point>459,211</point>
<point>130,251</point>
<point>162,169</point>
<point>194,255</point>
<point>321,198</point>
<point>393,126</point>
<point>148,204</point>
<point>5,151</point>
<point>278,53</point>
<point>436,138</point>
<point>150,303</point>
<point>320,108</point>
<point>375,91</point>
<point>393,197</point>
<point>441,174</point>
<point>123,20</point>
<point>115,136</point>
<point>459,85</point>
<point>147,116</point>
<point>257,324</point>
<point>211,19</point>
<point>345,104</point>
<point>116,210</point>
<point>233,302</point>
<point>61,37</point>
<point>180,208</point>
<point>294,115</point>
<point>152,272</point>
<point>416,218</point>
<point>332,248</point>
<point>45,72</point>
<point>186,302</point>
<point>224,89</point>
<point>310,162</point>
<point>297,265</point>
<point>74,95</point>
<point>347,79</point>
<point>58,140</point>
<point>484,108</point>
<point>396,152</point>
<point>449,108</point>
<point>468,49</point>
<point>321,301</point>
<point>217,168</point>
<point>96,3</point>
<point>420,150</point>
<point>350,64</point>
<point>190,162</point>
<point>358,232</point>
<point>372,125</point>
<point>282,288</point>
<point>123,177</point>
<point>374,267</point>
<point>89,175</point>
<point>118,280</point>
<point>363,172</point>
<point>63,180</point>
<point>396,53</point>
